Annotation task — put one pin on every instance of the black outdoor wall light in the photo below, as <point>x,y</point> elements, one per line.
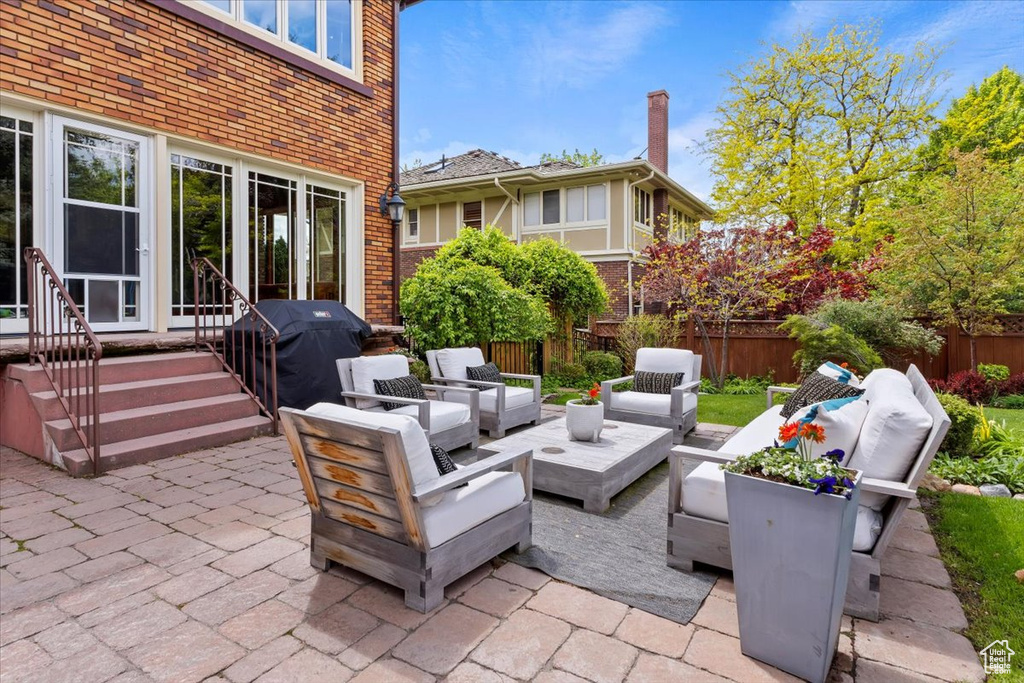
<point>394,207</point>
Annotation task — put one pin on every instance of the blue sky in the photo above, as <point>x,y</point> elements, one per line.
<point>522,77</point>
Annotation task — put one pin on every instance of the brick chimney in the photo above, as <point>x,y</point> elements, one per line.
<point>657,154</point>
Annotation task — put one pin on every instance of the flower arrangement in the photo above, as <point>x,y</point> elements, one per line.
<point>792,463</point>
<point>592,396</point>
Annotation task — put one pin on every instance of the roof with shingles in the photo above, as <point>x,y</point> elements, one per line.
<point>472,163</point>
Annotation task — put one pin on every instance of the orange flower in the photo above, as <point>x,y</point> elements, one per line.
<point>788,432</point>
<point>844,365</point>
<point>813,432</point>
<point>595,390</point>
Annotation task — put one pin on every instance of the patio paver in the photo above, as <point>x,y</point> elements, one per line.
<point>196,568</point>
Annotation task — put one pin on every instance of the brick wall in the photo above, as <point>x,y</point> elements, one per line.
<point>410,257</point>
<point>616,278</point>
<point>135,62</point>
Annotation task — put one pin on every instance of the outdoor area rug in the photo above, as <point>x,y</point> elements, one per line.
<point>619,554</point>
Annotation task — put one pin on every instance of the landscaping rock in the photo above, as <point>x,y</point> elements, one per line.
<point>1020,575</point>
<point>995,490</point>
<point>931,482</point>
<point>966,488</point>
<point>1018,496</point>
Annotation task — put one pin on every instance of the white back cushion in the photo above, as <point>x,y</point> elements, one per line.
<point>453,362</point>
<point>665,360</point>
<point>839,374</point>
<point>422,469</point>
<point>842,419</point>
<point>893,432</point>
<point>365,369</point>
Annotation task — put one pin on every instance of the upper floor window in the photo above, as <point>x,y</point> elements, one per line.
<point>324,28</point>
<point>681,224</point>
<point>472,215</point>
<point>583,204</point>
<point>641,207</point>
<point>414,222</point>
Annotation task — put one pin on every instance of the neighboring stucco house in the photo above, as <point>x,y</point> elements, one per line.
<point>259,134</point>
<point>606,213</point>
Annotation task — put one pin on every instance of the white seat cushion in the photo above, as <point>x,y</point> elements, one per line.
<point>652,404</point>
<point>453,362</point>
<point>893,432</point>
<point>443,414</point>
<point>514,397</point>
<point>703,496</point>
<point>758,434</point>
<point>365,369</point>
<point>665,360</point>
<point>463,508</point>
<point>422,469</point>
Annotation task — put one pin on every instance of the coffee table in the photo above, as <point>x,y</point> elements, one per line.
<point>588,471</point>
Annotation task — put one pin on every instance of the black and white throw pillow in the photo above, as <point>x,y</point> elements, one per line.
<point>815,389</point>
<point>488,372</point>
<point>403,387</point>
<point>656,382</point>
<point>442,460</point>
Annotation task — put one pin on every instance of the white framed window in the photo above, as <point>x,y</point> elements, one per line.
<point>17,142</point>
<point>582,204</point>
<point>473,215</point>
<point>642,207</point>
<point>680,224</point>
<point>325,29</point>
<point>413,219</point>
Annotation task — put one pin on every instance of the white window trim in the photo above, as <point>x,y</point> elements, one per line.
<point>644,227</point>
<point>39,234</point>
<point>407,236</point>
<point>563,209</point>
<point>235,18</point>
<point>461,218</point>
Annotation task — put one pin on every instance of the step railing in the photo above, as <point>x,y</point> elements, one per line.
<point>62,343</point>
<point>242,338</point>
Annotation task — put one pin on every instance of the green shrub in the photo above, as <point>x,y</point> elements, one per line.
<point>993,372</point>
<point>820,342</point>
<point>1006,470</point>
<point>963,418</point>
<point>602,365</point>
<point>417,366</point>
<point>995,439</point>
<point>641,331</point>
<point>571,376</point>
<point>1014,402</point>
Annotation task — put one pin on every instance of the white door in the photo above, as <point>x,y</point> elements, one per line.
<point>102,222</point>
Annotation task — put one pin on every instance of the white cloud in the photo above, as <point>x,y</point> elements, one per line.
<point>819,15</point>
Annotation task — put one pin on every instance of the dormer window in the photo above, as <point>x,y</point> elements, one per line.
<point>326,29</point>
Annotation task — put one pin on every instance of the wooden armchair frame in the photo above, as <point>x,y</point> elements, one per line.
<point>465,434</point>
<point>680,422</point>
<point>366,515</point>
<point>502,419</point>
<point>696,539</point>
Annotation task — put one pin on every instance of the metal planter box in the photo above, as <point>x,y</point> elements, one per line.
<point>791,559</point>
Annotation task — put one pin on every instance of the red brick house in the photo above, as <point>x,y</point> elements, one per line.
<point>606,213</point>
<point>136,132</point>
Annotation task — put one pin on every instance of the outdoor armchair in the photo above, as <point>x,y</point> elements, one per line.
<point>379,506</point>
<point>501,406</point>
<point>676,410</point>
<point>450,421</point>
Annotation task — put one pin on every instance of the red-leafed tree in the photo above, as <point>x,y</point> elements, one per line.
<point>721,276</point>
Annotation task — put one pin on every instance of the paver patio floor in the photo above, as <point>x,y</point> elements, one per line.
<point>197,568</point>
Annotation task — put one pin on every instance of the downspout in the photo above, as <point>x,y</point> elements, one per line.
<point>396,229</point>
<point>629,264</point>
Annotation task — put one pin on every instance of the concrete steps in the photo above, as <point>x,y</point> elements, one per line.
<point>151,407</point>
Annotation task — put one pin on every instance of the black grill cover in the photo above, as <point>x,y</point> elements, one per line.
<point>313,335</point>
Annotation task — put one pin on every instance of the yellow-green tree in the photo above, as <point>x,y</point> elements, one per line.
<point>813,134</point>
<point>958,254</point>
<point>990,116</point>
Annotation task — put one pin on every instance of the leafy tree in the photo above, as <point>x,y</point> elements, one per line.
<point>990,116</point>
<point>577,157</point>
<point>815,133</point>
<point>959,252</point>
<point>820,342</point>
<point>644,330</point>
<point>483,287</point>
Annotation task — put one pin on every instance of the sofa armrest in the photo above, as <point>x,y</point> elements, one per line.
<point>522,459</point>
<point>532,378</point>
<point>422,405</point>
<point>702,454</point>
<point>772,390</point>
<point>689,386</point>
<point>474,397</point>
<point>889,488</point>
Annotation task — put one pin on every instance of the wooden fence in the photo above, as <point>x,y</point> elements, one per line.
<point>757,347</point>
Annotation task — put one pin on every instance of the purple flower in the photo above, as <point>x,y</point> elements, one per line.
<point>836,454</point>
<point>825,484</point>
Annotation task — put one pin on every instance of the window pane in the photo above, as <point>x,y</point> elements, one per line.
<point>103,303</point>
<point>471,214</point>
<point>531,209</point>
<point>272,206</point>
<point>302,23</point>
<point>326,264</point>
<point>94,175</point>
<point>551,212</point>
<point>339,32</point>
<point>9,256</point>
<point>574,205</point>
<point>98,240</point>
<point>595,203</point>
<point>222,5</point>
<point>414,222</point>
<point>262,13</point>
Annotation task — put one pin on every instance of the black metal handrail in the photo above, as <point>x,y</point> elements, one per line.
<point>243,339</point>
<point>61,341</point>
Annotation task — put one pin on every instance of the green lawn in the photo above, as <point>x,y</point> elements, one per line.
<point>982,544</point>
<point>1014,418</point>
<point>737,411</point>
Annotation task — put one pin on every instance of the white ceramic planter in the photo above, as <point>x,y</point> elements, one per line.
<point>584,423</point>
<point>791,559</point>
